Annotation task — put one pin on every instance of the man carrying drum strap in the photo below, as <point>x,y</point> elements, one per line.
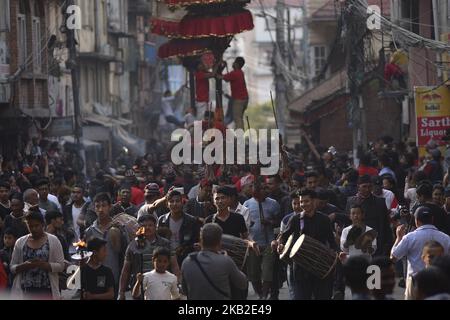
<point>317,226</point>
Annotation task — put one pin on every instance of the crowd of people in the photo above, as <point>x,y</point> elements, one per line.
<point>207,236</point>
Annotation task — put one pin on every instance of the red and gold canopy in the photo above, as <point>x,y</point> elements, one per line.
<point>194,27</point>
<point>215,26</point>
<point>184,48</point>
<point>192,47</point>
<point>187,3</point>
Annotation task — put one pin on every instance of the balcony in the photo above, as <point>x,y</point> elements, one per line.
<point>141,7</point>
<point>326,88</point>
<point>5,90</point>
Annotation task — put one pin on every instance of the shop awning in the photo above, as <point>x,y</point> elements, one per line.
<point>122,137</point>
<point>86,142</point>
<point>106,121</point>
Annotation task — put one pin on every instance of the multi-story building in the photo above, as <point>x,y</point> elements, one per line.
<point>426,67</point>
<point>322,109</point>
<point>24,71</point>
<point>115,61</point>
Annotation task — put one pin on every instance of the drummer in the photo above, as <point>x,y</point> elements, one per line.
<point>132,264</point>
<point>231,222</point>
<point>295,202</point>
<point>317,226</point>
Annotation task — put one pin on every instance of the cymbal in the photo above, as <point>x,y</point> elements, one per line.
<point>367,236</point>
<point>77,256</point>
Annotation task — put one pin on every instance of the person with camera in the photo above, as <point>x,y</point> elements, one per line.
<point>411,245</point>
<point>425,198</point>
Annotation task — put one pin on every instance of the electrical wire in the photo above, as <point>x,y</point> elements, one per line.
<point>277,59</point>
<point>410,38</point>
<point>30,59</point>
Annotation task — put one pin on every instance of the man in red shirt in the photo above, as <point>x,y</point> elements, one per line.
<point>202,77</point>
<point>239,92</point>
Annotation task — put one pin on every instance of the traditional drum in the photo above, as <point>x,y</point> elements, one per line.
<point>236,248</point>
<point>365,240</point>
<point>313,256</point>
<point>287,249</point>
<point>127,223</point>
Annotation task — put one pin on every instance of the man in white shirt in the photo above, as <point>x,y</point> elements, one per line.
<point>349,241</point>
<point>158,284</point>
<point>54,199</point>
<point>411,245</point>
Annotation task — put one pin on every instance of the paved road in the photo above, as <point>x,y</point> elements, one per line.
<point>284,294</point>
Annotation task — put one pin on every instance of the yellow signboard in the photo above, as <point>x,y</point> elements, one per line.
<point>432,114</point>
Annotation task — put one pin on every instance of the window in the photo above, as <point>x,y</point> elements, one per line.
<point>87,14</point>
<point>4,15</point>
<point>409,15</point>
<point>320,59</point>
<point>37,45</point>
<point>448,11</point>
<point>22,38</point>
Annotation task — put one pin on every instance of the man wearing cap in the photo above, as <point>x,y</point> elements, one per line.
<point>137,253</point>
<point>411,244</point>
<point>376,213</point>
<point>245,184</point>
<point>137,196</point>
<point>388,195</point>
<point>153,204</point>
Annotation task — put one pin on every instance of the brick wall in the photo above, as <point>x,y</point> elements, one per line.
<point>334,130</point>
<point>383,116</point>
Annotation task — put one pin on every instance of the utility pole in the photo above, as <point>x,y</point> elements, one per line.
<point>289,39</point>
<point>280,58</point>
<point>73,65</point>
<point>356,30</point>
<point>305,47</point>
